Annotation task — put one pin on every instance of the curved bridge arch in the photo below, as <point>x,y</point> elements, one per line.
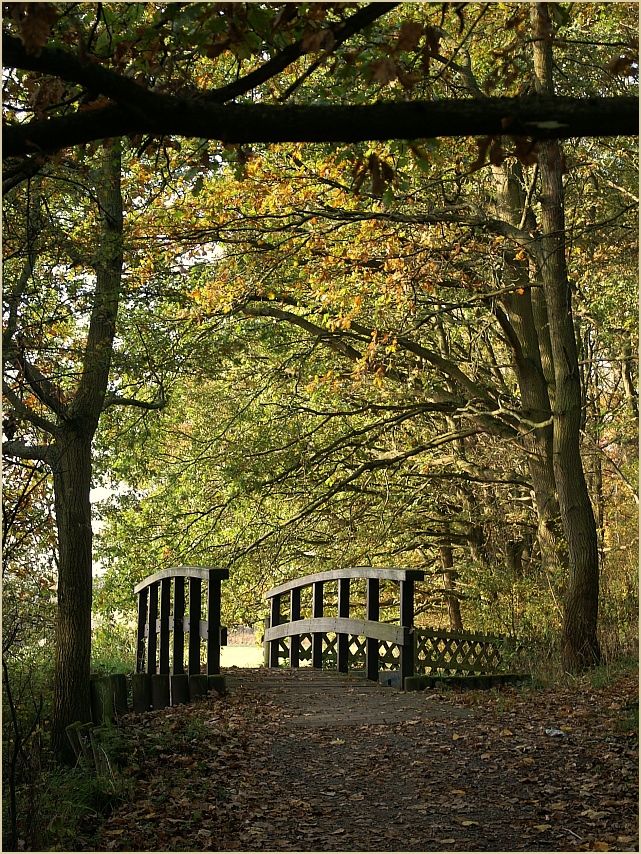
<point>343,625</point>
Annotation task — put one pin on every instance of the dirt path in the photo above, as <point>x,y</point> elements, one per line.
<point>271,768</point>
<point>317,699</point>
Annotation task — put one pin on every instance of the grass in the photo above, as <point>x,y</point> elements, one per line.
<point>241,655</point>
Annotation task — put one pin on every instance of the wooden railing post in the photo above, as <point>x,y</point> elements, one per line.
<point>153,619</point>
<point>165,606</point>
<point>213,623</point>
<point>294,614</point>
<point>143,603</point>
<point>317,637</point>
<point>342,647</point>
<point>195,604</point>
<point>274,620</point>
<point>178,663</point>
<point>407,620</point>
<point>373,612</point>
<point>158,683</point>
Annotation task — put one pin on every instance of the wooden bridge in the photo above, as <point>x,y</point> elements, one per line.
<point>314,620</point>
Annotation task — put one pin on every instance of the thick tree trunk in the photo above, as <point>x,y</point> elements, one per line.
<point>70,459</point>
<point>580,647</point>
<point>531,348</point>
<point>71,466</point>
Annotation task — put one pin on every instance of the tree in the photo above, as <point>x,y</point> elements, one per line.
<point>57,384</point>
<point>155,62</point>
<point>547,418</point>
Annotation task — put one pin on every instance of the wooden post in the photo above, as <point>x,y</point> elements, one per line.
<point>160,690</point>
<point>178,657</point>
<point>373,612</point>
<point>194,626</point>
<point>119,689</point>
<point>165,609</point>
<point>317,637</point>
<point>102,700</point>
<point>294,640</point>
<point>266,643</point>
<point>141,690</point>
<point>153,619</point>
<point>407,620</point>
<point>342,651</point>
<point>274,619</point>
<point>213,624</point>
<point>179,688</point>
<point>141,646</point>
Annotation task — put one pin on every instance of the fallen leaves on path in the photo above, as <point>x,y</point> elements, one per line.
<point>230,774</point>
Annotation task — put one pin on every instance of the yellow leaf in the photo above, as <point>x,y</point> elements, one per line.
<point>601,846</point>
<point>469,823</point>
<point>506,732</point>
<point>455,736</point>
<point>457,791</point>
<point>541,827</point>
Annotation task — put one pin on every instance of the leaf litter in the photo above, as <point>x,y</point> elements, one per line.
<point>228,774</point>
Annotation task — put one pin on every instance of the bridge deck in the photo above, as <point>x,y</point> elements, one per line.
<point>313,698</point>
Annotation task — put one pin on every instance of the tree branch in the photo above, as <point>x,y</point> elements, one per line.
<point>23,411</point>
<point>142,111</point>
<point>340,33</point>
<point>114,400</point>
<point>46,392</point>
<point>25,452</point>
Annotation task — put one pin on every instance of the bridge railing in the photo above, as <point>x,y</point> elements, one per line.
<point>437,651</point>
<point>175,610</point>
<point>346,628</point>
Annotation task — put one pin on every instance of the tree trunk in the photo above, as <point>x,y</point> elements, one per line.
<point>531,348</point>
<point>449,583</point>
<point>579,646</point>
<point>71,465</point>
<point>449,575</point>
<point>70,459</point>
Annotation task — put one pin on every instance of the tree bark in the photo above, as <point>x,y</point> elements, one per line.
<point>531,349</point>
<point>70,459</point>
<point>579,644</point>
<point>165,115</point>
<point>449,583</point>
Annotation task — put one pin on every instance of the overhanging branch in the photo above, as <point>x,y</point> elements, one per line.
<point>536,116</point>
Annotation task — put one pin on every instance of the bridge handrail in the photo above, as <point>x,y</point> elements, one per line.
<point>202,572</point>
<point>381,573</point>
<point>341,625</point>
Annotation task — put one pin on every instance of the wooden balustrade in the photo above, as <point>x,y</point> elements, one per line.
<point>346,629</point>
<point>163,623</point>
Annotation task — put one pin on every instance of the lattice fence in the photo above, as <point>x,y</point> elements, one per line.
<point>388,653</point>
<point>435,651</point>
<point>438,651</point>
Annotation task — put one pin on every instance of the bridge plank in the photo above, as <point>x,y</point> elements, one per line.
<point>340,625</point>
<point>384,573</point>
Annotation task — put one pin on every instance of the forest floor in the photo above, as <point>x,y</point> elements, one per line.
<point>352,766</point>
